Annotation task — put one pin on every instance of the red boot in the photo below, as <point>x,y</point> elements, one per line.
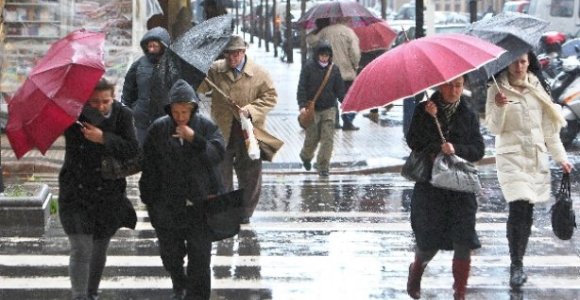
<point>460,274</point>
<point>414,280</point>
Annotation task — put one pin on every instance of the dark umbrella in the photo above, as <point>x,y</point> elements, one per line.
<point>516,32</point>
<point>190,56</point>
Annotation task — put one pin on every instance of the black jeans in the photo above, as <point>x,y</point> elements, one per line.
<point>175,244</point>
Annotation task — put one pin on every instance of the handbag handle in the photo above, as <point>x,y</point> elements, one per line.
<point>565,188</point>
<point>439,130</point>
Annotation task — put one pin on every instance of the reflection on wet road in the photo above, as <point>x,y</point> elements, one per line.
<point>347,237</point>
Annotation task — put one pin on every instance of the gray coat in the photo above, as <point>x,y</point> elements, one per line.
<point>142,80</point>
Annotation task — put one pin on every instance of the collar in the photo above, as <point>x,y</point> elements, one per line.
<point>240,67</point>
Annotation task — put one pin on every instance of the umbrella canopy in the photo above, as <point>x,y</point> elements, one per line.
<point>415,66</point>
<point>190,56</point>
<point>516,32</point>
<point>376,36</point>
<point>354,11</point>
<point>53,95</point>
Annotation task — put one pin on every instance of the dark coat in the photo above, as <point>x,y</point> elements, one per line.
<point>174,173</point>
<point>441,217</point>
<point>89,204</point>
<point>311,77</point>
<point>143,80</point>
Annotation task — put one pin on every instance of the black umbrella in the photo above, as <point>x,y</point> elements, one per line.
<point>190,56</point>
<point>517,33</point>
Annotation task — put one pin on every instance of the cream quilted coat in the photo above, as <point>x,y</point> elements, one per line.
<point>526,129</point>
<point>253,89</point>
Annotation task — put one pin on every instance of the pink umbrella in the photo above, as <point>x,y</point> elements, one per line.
<point>376,36</point>
<point>53,95</point>
<point>353,11</point>
<point>416,66</point>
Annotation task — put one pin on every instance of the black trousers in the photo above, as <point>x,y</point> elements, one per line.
<point>175,244</point>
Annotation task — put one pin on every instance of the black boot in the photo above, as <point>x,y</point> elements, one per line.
<point>518,236</point>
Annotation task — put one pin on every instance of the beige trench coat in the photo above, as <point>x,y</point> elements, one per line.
<point>345,49</point>
<point>525,133</point>
<point>253,89</point>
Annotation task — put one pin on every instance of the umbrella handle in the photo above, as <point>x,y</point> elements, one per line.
<point>495,81</point>
<point>216,88</point>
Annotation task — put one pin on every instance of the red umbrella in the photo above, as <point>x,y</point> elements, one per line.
<point>354,11</point>
<point>376,36</point>
<point>416,66</point>
<point>53,95</point>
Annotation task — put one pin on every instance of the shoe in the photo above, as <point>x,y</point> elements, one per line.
<point>373,116</point>
<point>306,163</point>
<point>323,174</point>
<point>337,126</point>
<point>349,127</point>
<point>245,221</point>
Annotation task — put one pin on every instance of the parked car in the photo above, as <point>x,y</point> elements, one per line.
<point>563,15</point>
<point>516,6</point>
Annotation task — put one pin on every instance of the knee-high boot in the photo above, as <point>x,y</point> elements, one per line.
<point>461,269</point>
<point>518,236</point>
<point>416,270</point>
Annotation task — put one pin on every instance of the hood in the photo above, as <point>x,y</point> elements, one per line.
<point>155,34</point>
<point>323,46</point>
<point>182,92</point>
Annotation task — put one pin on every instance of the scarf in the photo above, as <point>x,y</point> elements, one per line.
<point>532,83</point>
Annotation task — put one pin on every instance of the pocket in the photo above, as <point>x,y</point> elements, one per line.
<point>508,149</point>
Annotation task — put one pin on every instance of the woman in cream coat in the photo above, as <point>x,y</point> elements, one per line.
<point>527,125</point>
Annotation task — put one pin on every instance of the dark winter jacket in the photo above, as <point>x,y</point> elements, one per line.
<point>311,77</point>
<point>175,173</point>
<point>142,80</point>
<point>89,204</point>
<point>462,131</point>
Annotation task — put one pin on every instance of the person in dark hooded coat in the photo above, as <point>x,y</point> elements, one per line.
<point>143,80</point>
<point>181,154</point>
<point>92,209</point>
<point>443,219</point>
<point>321,132</point>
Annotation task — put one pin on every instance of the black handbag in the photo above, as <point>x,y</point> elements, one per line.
<point>418,166</point>
<point>563,217</point>
<point>113,168</point>
<point>224,214</point>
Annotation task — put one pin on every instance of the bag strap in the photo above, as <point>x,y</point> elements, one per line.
<point>439,130</point>
<point>565,186</point>
<point>323,84</point>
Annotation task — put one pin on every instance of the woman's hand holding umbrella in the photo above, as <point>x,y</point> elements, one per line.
<point>500,99</point>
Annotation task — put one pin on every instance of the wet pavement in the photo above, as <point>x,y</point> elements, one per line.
<point>344,237</point>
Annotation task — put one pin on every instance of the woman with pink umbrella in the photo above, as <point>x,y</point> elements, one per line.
<point>443,219</point>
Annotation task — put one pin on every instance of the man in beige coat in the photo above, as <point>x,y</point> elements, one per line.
<point>252,93</point>
<point>346,55</point>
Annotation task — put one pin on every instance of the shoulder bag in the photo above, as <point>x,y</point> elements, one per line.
<point>113,168</point>
<point>452,172</point>
<point>306,117</point>
<point>563,217</point>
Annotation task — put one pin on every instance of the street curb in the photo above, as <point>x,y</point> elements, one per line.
<point>49,166</point>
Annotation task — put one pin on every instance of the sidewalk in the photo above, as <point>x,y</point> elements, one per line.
<point>374,148</point>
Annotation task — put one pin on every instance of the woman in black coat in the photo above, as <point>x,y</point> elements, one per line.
<point>444,219</point>
<point>91,208</point>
